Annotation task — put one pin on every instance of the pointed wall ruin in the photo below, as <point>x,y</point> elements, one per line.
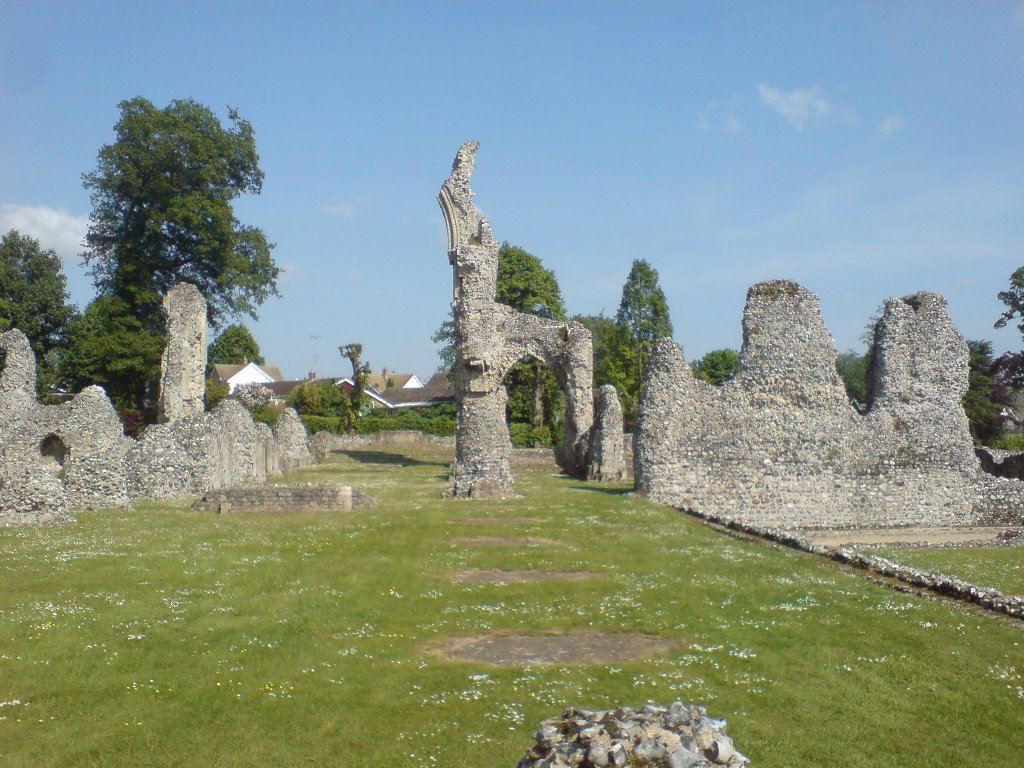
<point>780,445</point>
<point>183,363</point>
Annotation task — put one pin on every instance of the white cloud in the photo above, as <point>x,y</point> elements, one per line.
<point>53,227</point>
<point>891,126</point>
<point>721,116</point>
<point>798,107</point>
<point>339,210</point>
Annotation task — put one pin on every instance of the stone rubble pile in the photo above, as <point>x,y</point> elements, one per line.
<point>678,736</point>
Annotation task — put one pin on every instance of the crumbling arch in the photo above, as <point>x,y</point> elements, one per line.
<point>54,452</point>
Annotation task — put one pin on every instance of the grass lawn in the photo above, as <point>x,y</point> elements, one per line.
<point>1001,568</point>
<point>163,636</point>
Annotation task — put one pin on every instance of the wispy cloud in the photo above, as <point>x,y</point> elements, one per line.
<point>53,227</point>
<point>797,107</point>
<point>721,116</point>
<point>339,210</point>
<point>891,126</point>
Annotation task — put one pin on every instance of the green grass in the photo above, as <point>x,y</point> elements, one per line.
<point>163,636</point>
<point>1001,568</point>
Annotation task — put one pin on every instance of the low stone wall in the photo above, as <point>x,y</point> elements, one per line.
<point>322,443</point>
<point>283,498</point>
<point>940,583</point>
<point>678,736</point>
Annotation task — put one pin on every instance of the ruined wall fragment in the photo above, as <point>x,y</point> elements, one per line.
<point>292,441</point>
<point>606,454</point>
<point>490,339</point>
<point>779,444</point>
<point>183,364</point>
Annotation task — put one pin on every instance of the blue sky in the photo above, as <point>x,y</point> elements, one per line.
<point>864,149</point>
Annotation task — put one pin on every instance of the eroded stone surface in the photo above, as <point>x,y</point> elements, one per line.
<point>780,445</point>
<point>183,363</point>
<point>677,736</point>
<point>490,339</point>
<point>606,455</point>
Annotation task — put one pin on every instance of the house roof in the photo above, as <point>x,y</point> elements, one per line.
<point>393,381</point>
<point>224,372</point>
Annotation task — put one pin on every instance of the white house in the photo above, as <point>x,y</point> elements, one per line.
<point>247,373</point>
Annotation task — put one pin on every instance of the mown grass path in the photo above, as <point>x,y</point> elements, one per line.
<point>162,636</point>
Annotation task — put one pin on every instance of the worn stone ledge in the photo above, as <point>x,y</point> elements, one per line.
<point>309,497</point>
<point>939,583</point>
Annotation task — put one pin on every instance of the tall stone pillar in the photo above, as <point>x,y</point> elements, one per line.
<point>183,364</point>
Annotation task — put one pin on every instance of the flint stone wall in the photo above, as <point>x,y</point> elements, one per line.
<point>606,453</point>
<point>490,339</point>
<point>183,363</point>
<point>780,444</point>
<point>61,458</point>
<point>284,498</point>
<point>55,458</point>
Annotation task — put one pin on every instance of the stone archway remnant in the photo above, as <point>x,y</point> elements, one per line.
<point>490,338</point>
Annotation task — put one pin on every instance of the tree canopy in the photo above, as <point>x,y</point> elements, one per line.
<point>717,366</point>
<point>34,299</point>
<point>525,284</point>
<point>161,196</point>
<point>1014,301</point>
<point>234,345</point>
<point>643,310</point>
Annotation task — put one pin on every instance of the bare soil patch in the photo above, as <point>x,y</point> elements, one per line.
<point>978,536</point>
<point>499,521</point>
<point>503,541</point>
<point>520,650</point>
<point>495,576</point>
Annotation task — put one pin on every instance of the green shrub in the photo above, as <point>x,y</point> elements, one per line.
<point>1009,442</point>
<point>316,424</point>
<point>527,436</point>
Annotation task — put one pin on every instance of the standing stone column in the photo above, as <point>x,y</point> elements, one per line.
<point>183,364</point>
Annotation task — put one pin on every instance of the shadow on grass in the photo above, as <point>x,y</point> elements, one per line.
<point>384,457</point>
<point>603,489</point>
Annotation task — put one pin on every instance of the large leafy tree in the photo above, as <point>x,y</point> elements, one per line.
<point>234,345</point>
<point>34,299</point>
<point>1014,301</point>
<point>162,213</point>
<point>162,196</point>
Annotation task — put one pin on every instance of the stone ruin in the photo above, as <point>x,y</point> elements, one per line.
<point>677,736</point>
<point>781,445</point>
<point>182,377</point>
<point>492,337</point>
<point>59,458</point>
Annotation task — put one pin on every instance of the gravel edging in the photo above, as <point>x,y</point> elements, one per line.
<point>948,586</point>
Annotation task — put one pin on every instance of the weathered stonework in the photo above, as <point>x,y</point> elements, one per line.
<point>780,444</point>
<point>490,339</point>
<point>293,450</point>
<point>283,498</point>
<point>183,364</point>
<point>60,458</point>
<point>55,458</point>
<point>606,453</point>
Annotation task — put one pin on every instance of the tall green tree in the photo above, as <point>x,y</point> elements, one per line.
<point>853,370</point>
<point>642,319</point>
<point>643,310</point>
<point>34,299</point>
<point>985,397</point>
<point>162,197</point>
<point>1014,301</point>
<point>110,346</point>
<point>234,345</point>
